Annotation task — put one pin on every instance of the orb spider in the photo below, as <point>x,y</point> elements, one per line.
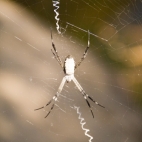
<point>69,68</point>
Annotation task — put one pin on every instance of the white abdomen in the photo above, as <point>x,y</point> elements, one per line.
<point>69,66</point>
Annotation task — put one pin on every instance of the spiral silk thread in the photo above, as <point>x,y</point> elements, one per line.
<point>83,123</point>
<point>56,5</point>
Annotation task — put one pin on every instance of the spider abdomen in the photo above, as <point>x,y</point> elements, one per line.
<point>69,65</point>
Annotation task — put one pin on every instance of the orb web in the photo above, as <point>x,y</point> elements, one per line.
<point>111,72</point>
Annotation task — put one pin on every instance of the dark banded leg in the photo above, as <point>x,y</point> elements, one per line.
<point>86,96</point>
<point>54,97</point>
<point>85,52</point>
<point>50,110</point>
<point>55,52</point>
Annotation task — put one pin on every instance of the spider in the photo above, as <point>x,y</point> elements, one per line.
<point>69,68</point>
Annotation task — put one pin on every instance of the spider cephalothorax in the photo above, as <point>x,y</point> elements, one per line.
<point>69,67</point>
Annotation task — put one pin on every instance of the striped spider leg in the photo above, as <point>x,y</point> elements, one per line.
<point>54,97</point>
<point>86,96</point>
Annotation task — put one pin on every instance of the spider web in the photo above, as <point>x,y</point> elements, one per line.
<point>111,73</point>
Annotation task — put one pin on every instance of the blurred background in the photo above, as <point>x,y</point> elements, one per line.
<point>111,73</point>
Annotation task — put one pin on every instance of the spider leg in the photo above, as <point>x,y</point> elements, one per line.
<point>55,52</point>
<point>56,58</point>
<point>85,95</point>
<point>85,52</point>
<point>49,111</point>
<point>54,97</point>
<point>77,83</point>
